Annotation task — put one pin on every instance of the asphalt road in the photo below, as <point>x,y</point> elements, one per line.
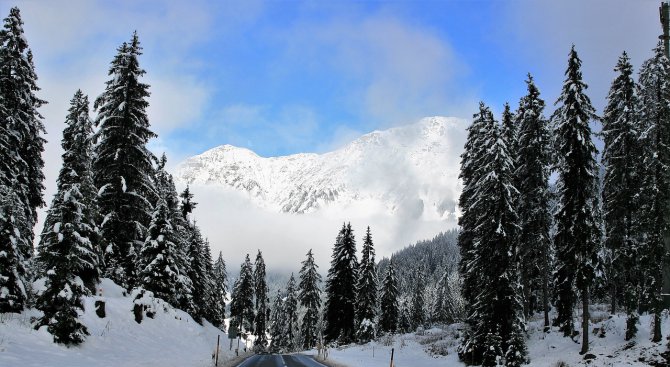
<point>277,360</point>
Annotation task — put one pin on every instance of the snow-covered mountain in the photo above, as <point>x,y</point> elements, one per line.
<point>410,170</point>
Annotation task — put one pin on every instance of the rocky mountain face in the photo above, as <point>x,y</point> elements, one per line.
<point>410,170</point>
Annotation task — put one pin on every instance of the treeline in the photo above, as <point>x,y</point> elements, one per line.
<point>116,212</point>
<point>518,256</point>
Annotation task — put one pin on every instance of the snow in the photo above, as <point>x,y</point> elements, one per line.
<point>544,349</point>
<point>171,338</point>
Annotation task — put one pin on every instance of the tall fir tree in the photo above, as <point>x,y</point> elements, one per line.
<point>532,181</point>
<point>67,253</point>
<point>578,233</point>
<point>123,165</point>
<point>21,147</point>
<point>309,295</point>
<point>187,203</point>
<point>621,156</point>
<point>277,325</point>
<point>340,313</point>
<point>291,328</point>
<point>470,174</point>
<point>21,141</point>
<point>417,308</point>
<point>242,304</point>
<point>220,291</point>
<point>366,289</point>
<point>654,219</point>
<point>390,311</point>
<point>261,295</point>
<point>496,322</point>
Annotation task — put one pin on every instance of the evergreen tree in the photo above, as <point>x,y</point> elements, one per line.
<point>197,272</point>
<point>158,268</point>
<point>67,253</point>
<point>123,166</point>
<point>242,304</point>
<point>417,311</point>
<point>366,289</point>
<point>277,325</point>
<point>621,156</point>
<point>653,217</point>
<point>470,174</point>
<point>341,295</point>
<point>261,293</point>
<point>578,234</point>
<point>291,315</point>
<point>21,141</point>
<point>496,322</point>
<point>532,181</point>
<point>187,203</point>
<point>388,321</point>
<point>13,294</point>
<point>310,298</point>
<point>220,291</point>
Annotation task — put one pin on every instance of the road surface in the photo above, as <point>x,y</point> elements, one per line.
<point>277,360</point>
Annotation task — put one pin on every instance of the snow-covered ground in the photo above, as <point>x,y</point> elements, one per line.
<point>550,349</point>
<point>171,338</point>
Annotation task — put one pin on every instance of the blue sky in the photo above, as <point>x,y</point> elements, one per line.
<point>282,77</point>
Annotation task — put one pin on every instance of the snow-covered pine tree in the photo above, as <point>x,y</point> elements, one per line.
<point>277,325</point>
<point>220,290</point>
<point>470,175</point>
<point>621,156</point>
<point>158,268</point>
<point>340,313</point>
<point>21,141</point>
<point>654,109</point>
<point>123,165</point>
<point>291,327</point>
<point>496,319</point>
<point>366,290</point>
<point>309,295</point>
<point>242,304</point>
<point>417,308</point>
<point>532,181</point>
<point>67,252</point>
<point>13,292</point>
<point>261,295</point>
<point>578,233</point>
<point>167,193</point>
<point>187,203</point>
<point>388,321</point>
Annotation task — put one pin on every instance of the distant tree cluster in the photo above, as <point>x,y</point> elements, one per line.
<point>116,212</point>
<point>610,236</point>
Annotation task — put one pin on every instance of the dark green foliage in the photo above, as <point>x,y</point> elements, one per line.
<point>654,99</point>
<point>291,316</point>
<point>242,303</point>
<point>187,203</point>
<point>621,159</point>
<point>67,253</point>
<point>341,294</point>
<point>532,181</point>
<point>219,291</point>
<point>277,325</point>
<point>21,130</point>
<point>366,289</point>
<point>496,322</point>
<point>261,293</point>
<point>388,321</point>
<point>123,166</point>
<point>310,298</point>
<point>578,233</point>
<point>417,311</point>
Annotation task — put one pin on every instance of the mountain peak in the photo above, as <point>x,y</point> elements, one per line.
<point>406,170</point>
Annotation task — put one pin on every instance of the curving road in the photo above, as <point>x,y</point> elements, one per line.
<point>278,360</point>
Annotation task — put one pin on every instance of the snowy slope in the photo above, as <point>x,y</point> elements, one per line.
<point>171,338</point>
<point>412,170</point>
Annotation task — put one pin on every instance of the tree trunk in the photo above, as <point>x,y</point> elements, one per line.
<point>613,295</point>
<point>656,338</point>
<point>545,302</point>
<point>585,321</point>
